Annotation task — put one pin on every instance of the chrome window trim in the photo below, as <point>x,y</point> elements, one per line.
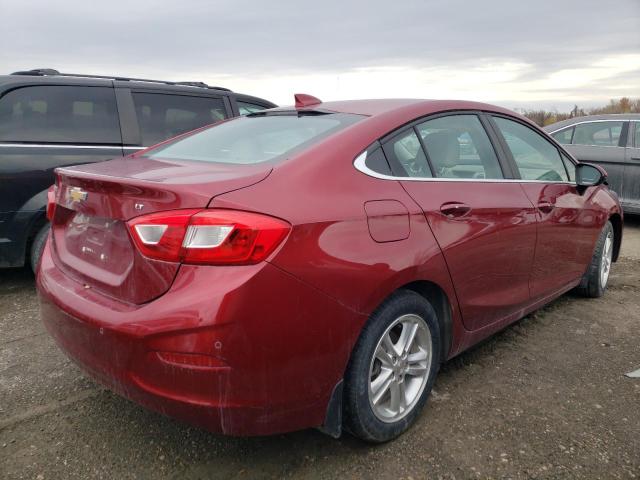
<point>360,165</point>
<point>40,145</point>
<point>587,121</point>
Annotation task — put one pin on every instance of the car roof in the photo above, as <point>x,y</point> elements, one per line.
<point>591,118</point>
<point>383,106</point>
<point>53,77</point>
<point>395,112</point>
<point>25,80</point>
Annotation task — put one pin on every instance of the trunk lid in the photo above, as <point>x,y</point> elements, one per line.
<point>91,241</point>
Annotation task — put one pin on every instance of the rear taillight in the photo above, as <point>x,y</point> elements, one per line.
<point>51,201</point>
<point>209,237</point>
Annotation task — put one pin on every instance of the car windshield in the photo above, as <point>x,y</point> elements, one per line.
<point>255,138</point>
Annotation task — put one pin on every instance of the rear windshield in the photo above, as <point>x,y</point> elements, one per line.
<point>255,138</point>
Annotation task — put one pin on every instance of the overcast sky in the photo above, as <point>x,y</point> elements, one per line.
<point>548,53</point>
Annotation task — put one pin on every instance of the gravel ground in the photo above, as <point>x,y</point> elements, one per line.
<point>546,398</point>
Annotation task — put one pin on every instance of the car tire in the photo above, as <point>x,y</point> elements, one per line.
<point>37,246</point>
<point>595,280</point>
<point>380,374</point>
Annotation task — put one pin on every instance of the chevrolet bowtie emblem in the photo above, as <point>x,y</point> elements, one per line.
<point>77,194</point>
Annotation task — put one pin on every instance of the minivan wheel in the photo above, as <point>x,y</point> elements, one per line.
<point>38,246</point>
<point>595,280</point>
<point>392,368</point>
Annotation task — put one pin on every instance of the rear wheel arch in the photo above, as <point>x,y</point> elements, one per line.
<point>36,241</point>
<point>33,214</point>
<point>439,300</point>
<point>431,292</point>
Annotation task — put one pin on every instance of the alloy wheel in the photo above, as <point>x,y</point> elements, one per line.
<point>606,260</point>
<point>400,368</point>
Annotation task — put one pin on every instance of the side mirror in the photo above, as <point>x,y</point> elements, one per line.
<point>588,175</point>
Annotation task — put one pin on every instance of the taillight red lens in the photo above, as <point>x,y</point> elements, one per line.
<point>51,201</point>
<point>208,237</point>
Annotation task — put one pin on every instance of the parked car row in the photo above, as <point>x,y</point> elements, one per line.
<point>50,120</point>
<point>612,141</point>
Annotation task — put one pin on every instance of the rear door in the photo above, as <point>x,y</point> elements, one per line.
<point>485,225</point>
<point>631,189</point>
<point>47,126</point>
<point>43,127</point>
<point>602,142</point>
<point>566,225</point>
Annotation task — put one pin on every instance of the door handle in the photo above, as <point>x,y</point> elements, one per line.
<point>635,158</point>
<point>454,209</point>
<point>545,207</point>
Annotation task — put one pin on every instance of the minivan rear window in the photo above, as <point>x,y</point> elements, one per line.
<point>255,138</point>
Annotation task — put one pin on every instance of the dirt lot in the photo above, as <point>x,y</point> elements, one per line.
<point>546,398</point>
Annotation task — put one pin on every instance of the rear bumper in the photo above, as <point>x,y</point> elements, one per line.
<point>275,347</point>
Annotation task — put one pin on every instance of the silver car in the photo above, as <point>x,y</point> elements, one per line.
<point>612,141</point>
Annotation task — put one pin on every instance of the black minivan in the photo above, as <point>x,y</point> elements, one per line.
<point>49,120</point>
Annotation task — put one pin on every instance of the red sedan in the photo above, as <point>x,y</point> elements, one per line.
<point>313,266</point>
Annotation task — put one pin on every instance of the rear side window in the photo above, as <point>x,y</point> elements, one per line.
<point>245,108</point>
<point>255,138</point>
<point>563,136</point>
<point>606,134</point>
<point>58,114</point>
<point>406,156</point>
<point>458,147</point>
<point>377,162</point>
<point>163,116</point>
<point>535,156</point>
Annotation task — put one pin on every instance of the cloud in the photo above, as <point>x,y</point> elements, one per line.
<point>490,49</point>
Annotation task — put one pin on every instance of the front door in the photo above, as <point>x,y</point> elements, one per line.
<point>485,226</point>
<point>566,228</point>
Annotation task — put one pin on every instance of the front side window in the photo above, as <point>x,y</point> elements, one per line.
<point>535,156</point>
<point>60,114</point>
<point>606,134</point>
<point>563,136</point>
<point>245,108</point>
<point>570,166</point>
<point>163,116</point>
<point>255,138</point>
<point>406,156</point>
<point>636,135</point>
<point>458,147</point>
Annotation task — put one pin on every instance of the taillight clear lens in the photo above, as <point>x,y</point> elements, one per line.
<point>208,237</point>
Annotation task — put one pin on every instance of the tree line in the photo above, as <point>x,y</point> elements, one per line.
<point>544,117</point>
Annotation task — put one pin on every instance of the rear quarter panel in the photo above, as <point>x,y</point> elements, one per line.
<point>330,247</point>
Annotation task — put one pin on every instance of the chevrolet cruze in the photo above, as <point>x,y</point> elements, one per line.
<point>313,266</point>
